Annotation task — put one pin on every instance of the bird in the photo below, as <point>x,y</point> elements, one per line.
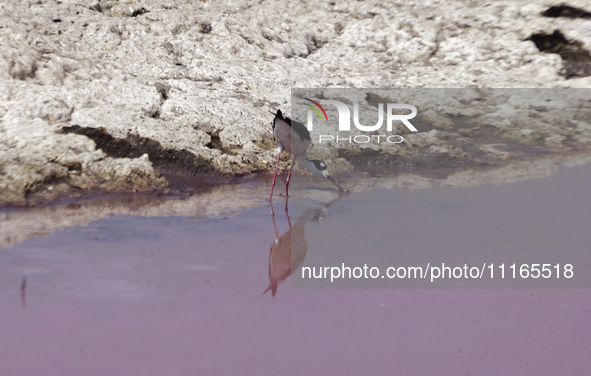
<point>296,144</point>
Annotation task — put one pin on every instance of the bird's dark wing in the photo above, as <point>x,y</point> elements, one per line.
<point>299,128</point>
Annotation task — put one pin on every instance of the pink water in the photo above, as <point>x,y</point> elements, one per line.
<point>181,296</point>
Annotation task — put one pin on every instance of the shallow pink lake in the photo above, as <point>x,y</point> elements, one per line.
<point>184,296</point>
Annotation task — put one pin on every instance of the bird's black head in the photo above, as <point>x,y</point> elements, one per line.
<point>320,166</point>
<point>322,169</point>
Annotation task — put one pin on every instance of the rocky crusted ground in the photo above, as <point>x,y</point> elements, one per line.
<point>106,95</point>
<point>228,200</point>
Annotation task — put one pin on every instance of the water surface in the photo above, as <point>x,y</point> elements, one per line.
<point>177,295</point>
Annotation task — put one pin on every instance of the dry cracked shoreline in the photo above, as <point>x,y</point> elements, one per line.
<point>106,96</point>
<point>227,200</point>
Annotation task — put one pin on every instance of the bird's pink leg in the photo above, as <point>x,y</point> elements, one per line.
<point>275,176</point>
<point>289,176</point>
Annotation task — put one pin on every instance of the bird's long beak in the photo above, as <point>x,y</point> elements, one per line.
<point>335,183</point>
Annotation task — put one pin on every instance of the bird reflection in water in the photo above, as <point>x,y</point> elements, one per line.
<point>289,250</point>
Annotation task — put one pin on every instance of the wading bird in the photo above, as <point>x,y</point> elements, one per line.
<point>296,144</point>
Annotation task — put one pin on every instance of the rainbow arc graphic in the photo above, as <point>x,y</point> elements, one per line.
<point>316,109</point>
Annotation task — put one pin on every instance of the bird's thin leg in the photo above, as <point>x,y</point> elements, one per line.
<point>275,177</point>
<point>289,175</point>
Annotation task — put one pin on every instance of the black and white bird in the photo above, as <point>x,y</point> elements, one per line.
<point>296,144</point>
